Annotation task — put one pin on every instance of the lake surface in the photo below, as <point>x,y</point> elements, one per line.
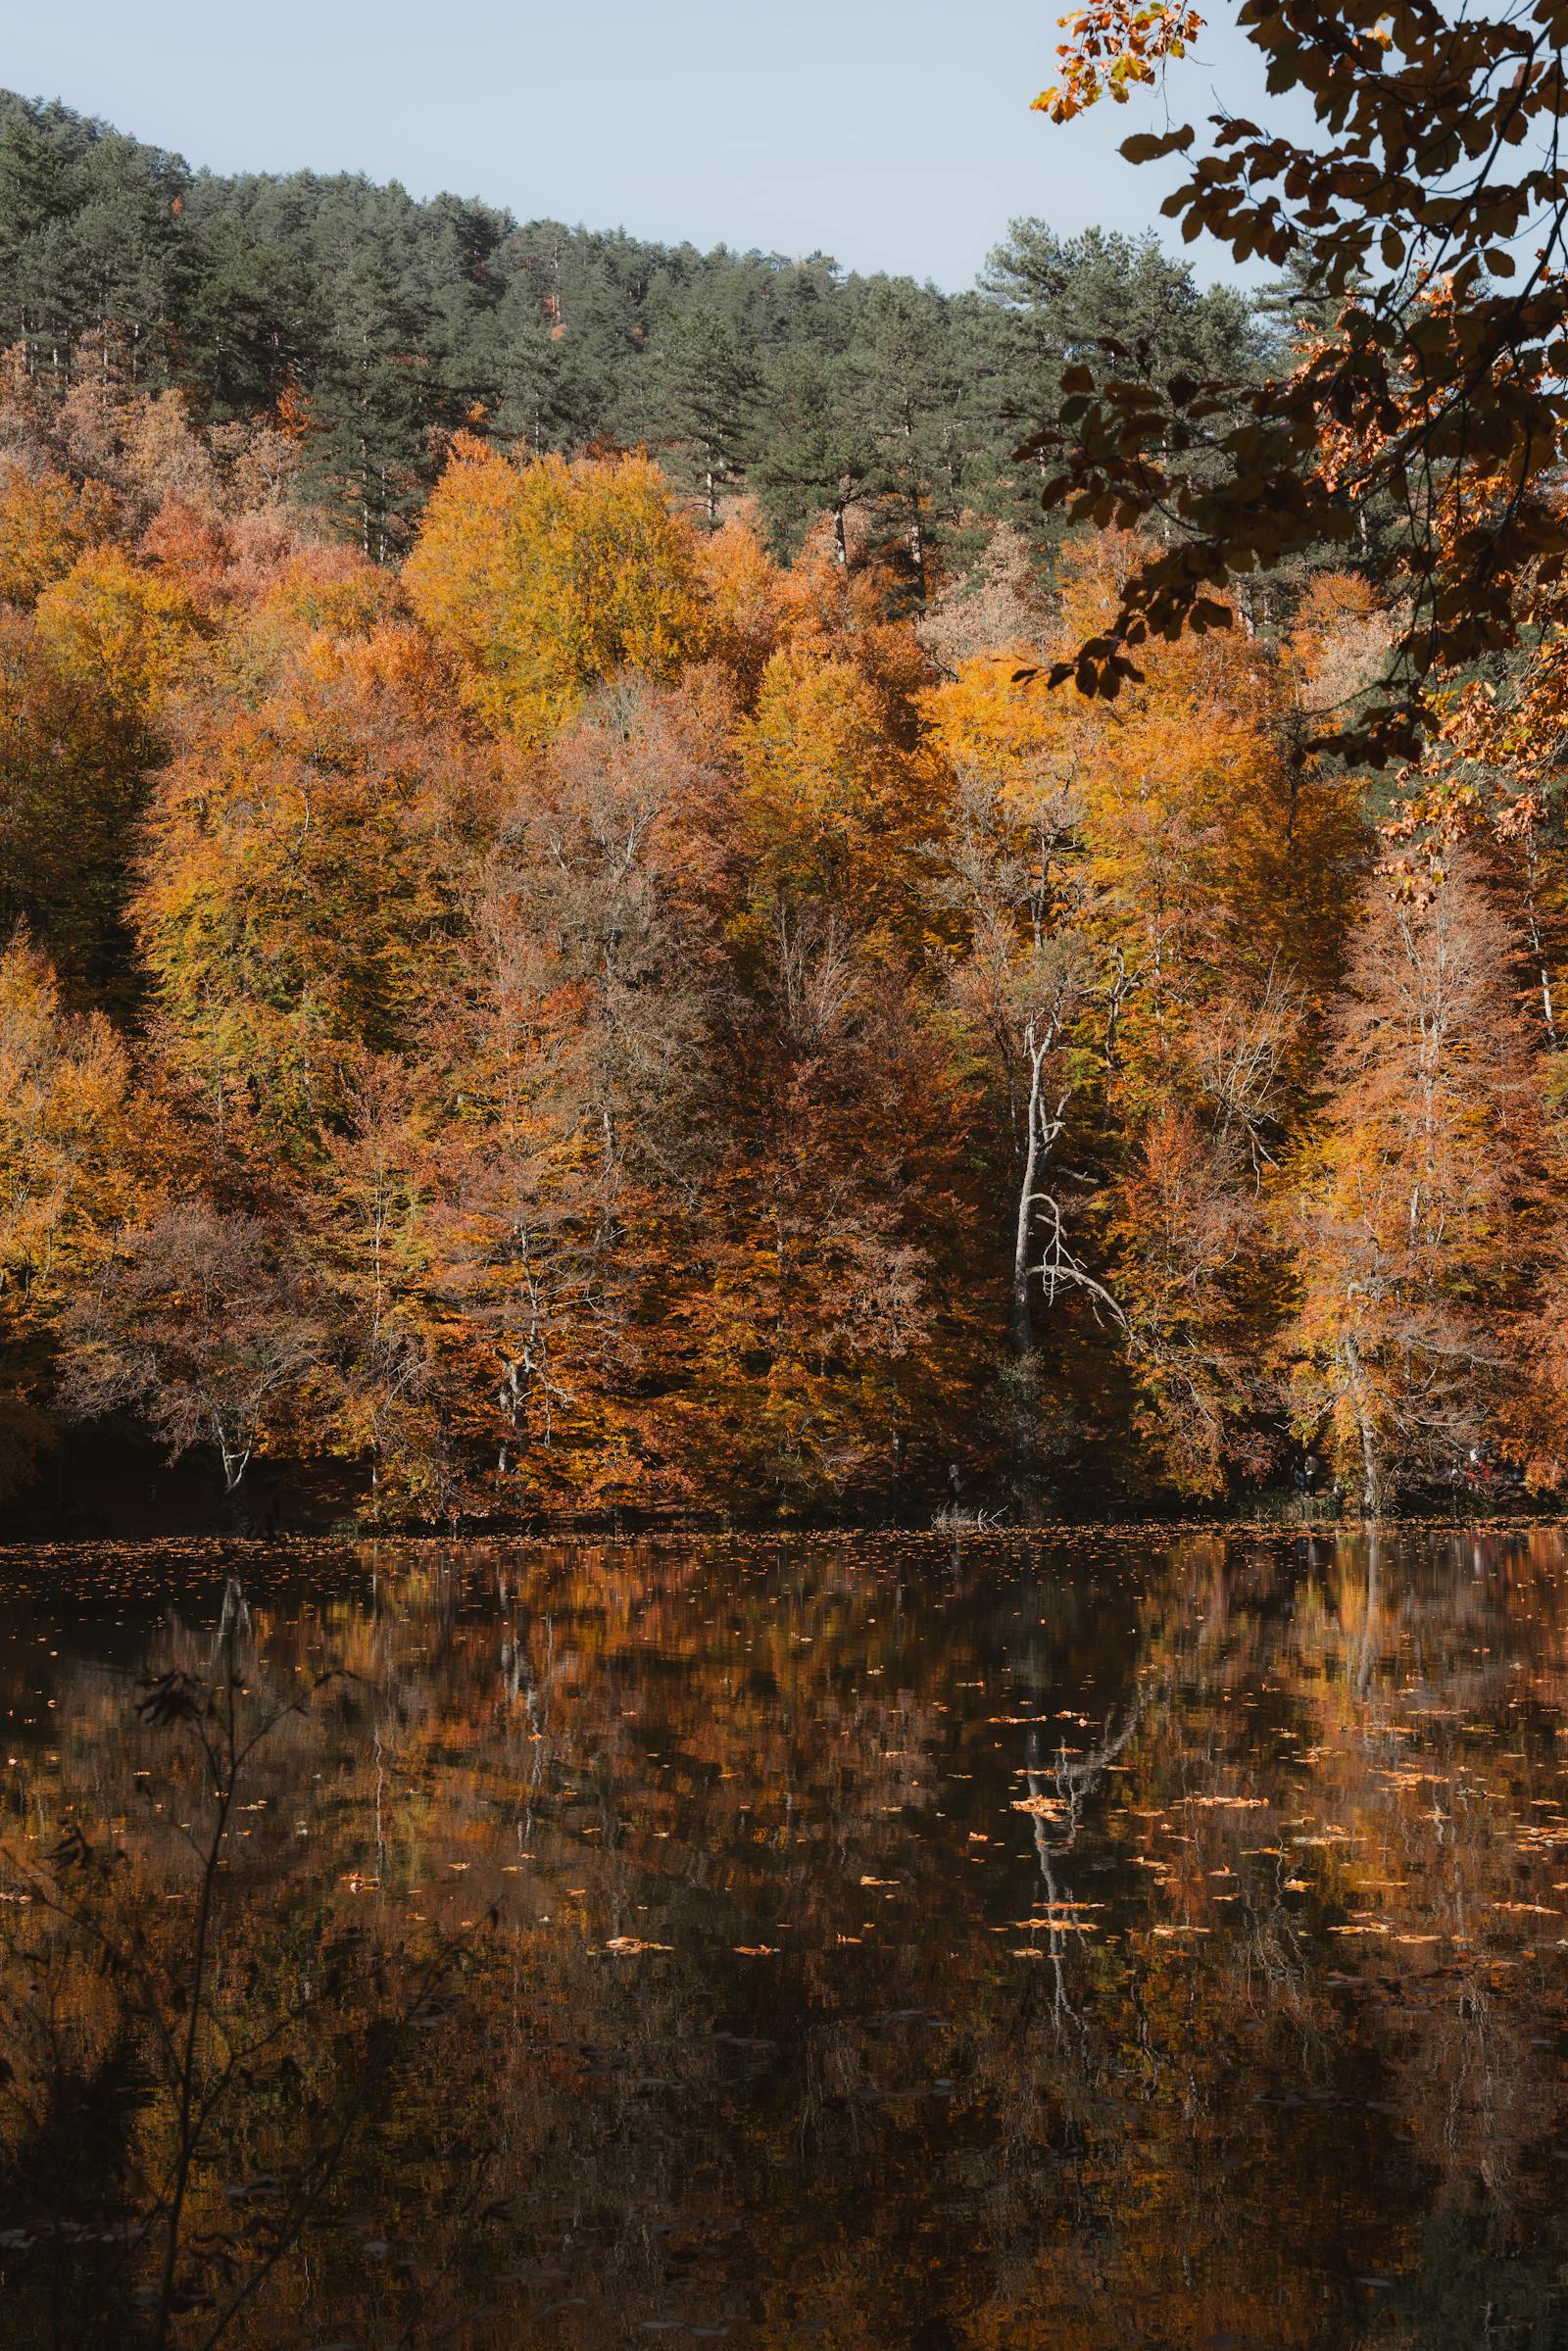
<point>1102,1939</point>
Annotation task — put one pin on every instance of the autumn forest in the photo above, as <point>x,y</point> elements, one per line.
<point>564,955</point>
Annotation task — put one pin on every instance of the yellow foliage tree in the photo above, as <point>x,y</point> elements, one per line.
<point>832,806</point>
<point>84,681</point>
<point>298,896</point>
<point>129,631</point>
<point>46,522</point>
<point>545,580</point>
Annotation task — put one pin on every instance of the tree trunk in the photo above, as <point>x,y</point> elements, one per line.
<point>917,545</point>
<point>1020,1322</point>
<point>1371,1471</point>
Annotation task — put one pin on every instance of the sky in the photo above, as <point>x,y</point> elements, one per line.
<point>894,134</point>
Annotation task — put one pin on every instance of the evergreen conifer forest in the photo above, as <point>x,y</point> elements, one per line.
<point>570,943</point>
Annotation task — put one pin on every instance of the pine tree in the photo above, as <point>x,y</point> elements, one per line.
<point>374,398</point>
<point>701,388</point>
<point>819,452</point>
<point>907,387</point>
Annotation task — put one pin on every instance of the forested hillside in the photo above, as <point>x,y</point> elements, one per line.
<point>380,324</point>
<point>559,953</point>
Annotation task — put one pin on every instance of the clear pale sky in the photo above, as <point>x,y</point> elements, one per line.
<point>894,134</point>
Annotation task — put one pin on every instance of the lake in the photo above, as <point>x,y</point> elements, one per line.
<point>1103,1939</point>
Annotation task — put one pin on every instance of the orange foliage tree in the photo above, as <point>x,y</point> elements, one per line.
<point>66,1172</point>
<point>1147,901</point>
<point>650,1035</point>
<point>1418,1218</point>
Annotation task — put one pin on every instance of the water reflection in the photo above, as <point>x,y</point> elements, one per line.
<point>1102,1941</point>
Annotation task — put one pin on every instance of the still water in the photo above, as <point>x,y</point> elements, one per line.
<point>1102,1940</point>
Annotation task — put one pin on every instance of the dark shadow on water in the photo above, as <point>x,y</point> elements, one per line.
<point>1118,1940</point>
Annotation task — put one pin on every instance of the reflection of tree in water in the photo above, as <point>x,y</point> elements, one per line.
<point>1071,1780</point>
<point>751,2046</point>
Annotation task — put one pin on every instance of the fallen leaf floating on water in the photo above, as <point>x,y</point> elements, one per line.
<point>1044,1808</point>
<point>879,1881</point>
<point>757,1950</point>
<point>625,1946</point>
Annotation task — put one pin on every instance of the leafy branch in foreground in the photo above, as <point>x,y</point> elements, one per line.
<point>1422,222</point>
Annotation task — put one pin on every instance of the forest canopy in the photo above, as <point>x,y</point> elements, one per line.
<point>560,954</point>
<point>371,327</point>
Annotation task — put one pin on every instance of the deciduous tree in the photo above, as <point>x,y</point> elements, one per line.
<point>67,1172</point>
<point>549,578</point>
<point>200,1320</point>
<point>1417,1229</point>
